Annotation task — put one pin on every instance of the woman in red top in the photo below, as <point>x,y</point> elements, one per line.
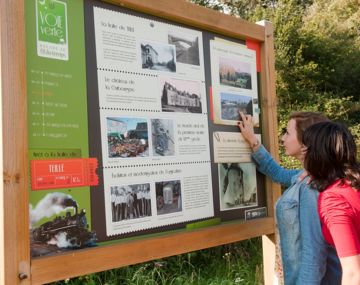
<point>331,161</point>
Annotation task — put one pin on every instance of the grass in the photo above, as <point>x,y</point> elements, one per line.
<point>238,263</point>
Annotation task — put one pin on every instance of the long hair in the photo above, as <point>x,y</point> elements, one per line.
<point>331,155</point>
<point>306,119</point>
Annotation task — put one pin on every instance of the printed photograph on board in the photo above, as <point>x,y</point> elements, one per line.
<point>187,47</point>
<point>168,197</point>
<point>237,185</point>
<point>180,95</point>
<point>130,202</point>
<point>232,104</point>
<point>163,143</point>
<point>127,137</point>
<point>235,73</point>
<point>57,223</point>
<point>158,56</point>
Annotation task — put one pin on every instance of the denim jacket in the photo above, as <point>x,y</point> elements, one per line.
<point>306,257</point>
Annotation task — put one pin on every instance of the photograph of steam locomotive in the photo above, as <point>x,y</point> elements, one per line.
<point>127,137</point>
<point>235,73</point>
<point>56,225</point>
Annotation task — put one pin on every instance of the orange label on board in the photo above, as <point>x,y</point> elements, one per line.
<point>63,173</point>
<point>254,45</point>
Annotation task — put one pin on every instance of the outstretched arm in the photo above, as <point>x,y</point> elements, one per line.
<point>265,162</point>
<point>268,166</point>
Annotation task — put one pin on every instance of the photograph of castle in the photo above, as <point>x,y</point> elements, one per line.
<point>180,96</point>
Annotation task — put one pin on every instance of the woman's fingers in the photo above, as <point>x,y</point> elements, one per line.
<point>243,117</point>
<point>246,119</point>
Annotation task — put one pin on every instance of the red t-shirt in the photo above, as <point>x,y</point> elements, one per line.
<point>339,210</point>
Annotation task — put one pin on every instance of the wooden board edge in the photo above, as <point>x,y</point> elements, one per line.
<point>197,16</point>
<point>75,263</point>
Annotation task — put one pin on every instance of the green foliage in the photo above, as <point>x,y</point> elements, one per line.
<point>317,63</point>
<point>212,4</point>
<point>238,263</point>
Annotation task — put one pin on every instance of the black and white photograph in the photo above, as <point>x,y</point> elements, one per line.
<point>187,47</point>
<point>232,104</point>
<point>168,197</point>
<point>127,137</point>
<point>180,95</point>
<point>237,185</point>
<point>158,56</point>
<point>235,73</point>
<point>130,202</point>
<point>163,143</point>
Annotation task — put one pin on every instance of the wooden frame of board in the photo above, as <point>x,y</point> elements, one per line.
<point>16,265</point>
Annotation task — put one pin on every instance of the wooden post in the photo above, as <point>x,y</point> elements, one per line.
<point>2,228</point>
<point>15,242</point>
<point>270,139</point>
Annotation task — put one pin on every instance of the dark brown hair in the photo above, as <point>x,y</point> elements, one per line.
<point>306,119</point>
<point>331,155</point>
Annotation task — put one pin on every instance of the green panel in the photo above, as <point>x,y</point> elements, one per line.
<point>203,224</point>
<point>51,21</point>
<point>56,88</point>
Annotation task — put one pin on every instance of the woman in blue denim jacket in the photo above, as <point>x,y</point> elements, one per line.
<point>306,258</point>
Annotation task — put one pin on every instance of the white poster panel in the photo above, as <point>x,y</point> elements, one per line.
<point>153,121</point>
<point>135,44</point>
<point>234,83</point>
<point>155,196</point>
<point>130,138</point>
<point>231,147</point>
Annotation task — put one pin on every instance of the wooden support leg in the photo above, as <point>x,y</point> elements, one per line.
<point>268,245</point>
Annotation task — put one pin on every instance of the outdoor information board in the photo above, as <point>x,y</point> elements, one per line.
<point>131,134</point>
